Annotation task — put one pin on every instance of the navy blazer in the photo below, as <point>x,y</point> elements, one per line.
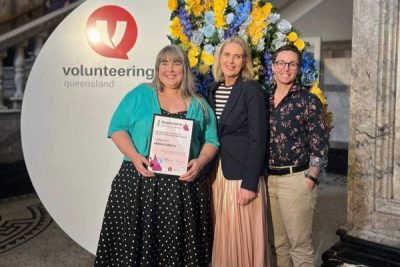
<point>242,132</point>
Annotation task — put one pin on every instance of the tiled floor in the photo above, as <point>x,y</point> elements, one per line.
<point>52,247</point>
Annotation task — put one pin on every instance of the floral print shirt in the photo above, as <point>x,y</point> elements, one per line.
<point>298,135</point>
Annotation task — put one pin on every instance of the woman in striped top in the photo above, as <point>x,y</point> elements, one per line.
<point>238,191</point>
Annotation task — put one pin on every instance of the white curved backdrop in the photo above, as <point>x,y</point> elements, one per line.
<point>70,96</point>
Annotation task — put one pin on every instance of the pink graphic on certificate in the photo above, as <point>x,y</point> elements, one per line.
<point>154,164</point>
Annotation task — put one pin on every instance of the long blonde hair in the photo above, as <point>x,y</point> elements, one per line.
<point>187,87</point>
<point>247,70</point>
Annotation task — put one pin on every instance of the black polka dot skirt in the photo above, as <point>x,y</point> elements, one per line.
<point>157,221</point>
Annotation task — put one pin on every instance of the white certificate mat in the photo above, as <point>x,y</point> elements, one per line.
<point>170,145</point>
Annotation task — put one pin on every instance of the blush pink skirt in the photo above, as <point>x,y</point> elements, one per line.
<point>240,232</point>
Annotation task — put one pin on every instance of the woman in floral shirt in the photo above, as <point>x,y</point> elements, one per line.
<point>297,152</point>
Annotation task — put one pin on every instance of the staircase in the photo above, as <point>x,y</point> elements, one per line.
<point>19,48</point>
<point>24,44</point>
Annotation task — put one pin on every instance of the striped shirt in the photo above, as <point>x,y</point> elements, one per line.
<point>221,97</point>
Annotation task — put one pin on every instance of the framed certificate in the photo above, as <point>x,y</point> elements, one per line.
<point>170,145</point>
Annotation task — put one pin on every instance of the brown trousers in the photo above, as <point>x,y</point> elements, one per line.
<point>291,211</point>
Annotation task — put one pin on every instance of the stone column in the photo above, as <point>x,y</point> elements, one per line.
<point>371,235</point>
<point>2,55</point>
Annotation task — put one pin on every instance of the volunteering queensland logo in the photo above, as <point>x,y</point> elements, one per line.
<point>111,32</point>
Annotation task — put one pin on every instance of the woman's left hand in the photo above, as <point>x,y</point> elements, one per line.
<point>245,197</point>
<point>194,167</point>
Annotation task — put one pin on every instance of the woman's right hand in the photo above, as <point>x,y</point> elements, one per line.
<point>141,164</point>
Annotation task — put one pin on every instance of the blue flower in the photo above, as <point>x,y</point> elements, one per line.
<point>202,82</point>
<point>308,77</point>
<point>209,18</point>
<point>208,30</point>
<point>229,18</point>
<point>307,61</point>
<point>202,32</point>
<point>267,71</point>
<point>242,11</point>
<point>185,21</point>
<point>209,49</point>
<point>231,30</point>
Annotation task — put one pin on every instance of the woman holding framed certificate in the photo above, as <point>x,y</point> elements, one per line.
<point>239,192</point>
<point>153,218</point>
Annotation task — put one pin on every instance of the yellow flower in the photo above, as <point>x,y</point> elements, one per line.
<point>257,68</point>
<point>194,7</point>
<point>172,5</point>
<point>299,43</point>
<point>292,36</point>
<point>267,8</point>
<point>204,69</point>
<point>193,54</point>
<point>175,27</point>
<point>315,90</point>
<point>328,118</point>
<point>184,39</point>
<point>176,30</point>
<point>197,10</point>
<point>219,7</point>
<point>193,61</point>
<point>194,50</point>
<point>207,58</point>
<point>207,4</point>
<point>258,21</point>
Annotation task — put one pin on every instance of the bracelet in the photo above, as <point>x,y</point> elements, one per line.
<point>312,178</point>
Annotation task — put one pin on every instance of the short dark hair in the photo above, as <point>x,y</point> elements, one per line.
<point>288,47</point>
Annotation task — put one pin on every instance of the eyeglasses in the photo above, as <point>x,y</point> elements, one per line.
<point>280,64</point>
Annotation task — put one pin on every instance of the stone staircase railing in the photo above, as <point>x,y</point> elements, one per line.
<point>13,78</point>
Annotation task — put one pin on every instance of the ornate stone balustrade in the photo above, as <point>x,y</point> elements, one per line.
<point>35,31</point>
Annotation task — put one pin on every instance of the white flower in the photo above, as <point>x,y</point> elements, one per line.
<point>229,18</point>
<point>244,36</point>
<point>273,18</point>
<point>197,38</point>
<point>280,37</point>
<point>284,26</point>
<point>261,45</point>
<point>233,3</point>
<point>220,33</point>
<point>243,29</point>
<point>278,44</point>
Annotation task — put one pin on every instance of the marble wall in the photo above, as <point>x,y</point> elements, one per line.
<point>373,211</point>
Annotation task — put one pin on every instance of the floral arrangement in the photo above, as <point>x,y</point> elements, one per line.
<point>199,26</point>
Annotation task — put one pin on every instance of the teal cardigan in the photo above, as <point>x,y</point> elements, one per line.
<point>134,115</point>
